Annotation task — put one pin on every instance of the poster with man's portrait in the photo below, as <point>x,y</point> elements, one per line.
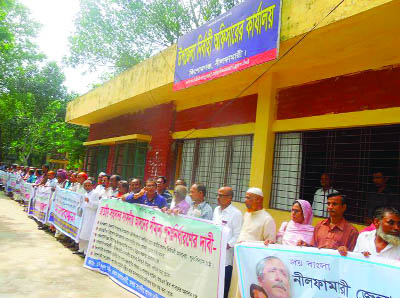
<point>278,271</point>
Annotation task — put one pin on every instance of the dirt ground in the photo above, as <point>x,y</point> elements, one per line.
<point>34,264</point>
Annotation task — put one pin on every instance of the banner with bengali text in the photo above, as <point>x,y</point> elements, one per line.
<point>66,212</point>
<point>3,178</point>
<point>26,191</point>
<point>304,272</point>
<point>153,254</point>
<point>12,181</point>
<point>244,36</point>
<point>40,203</point>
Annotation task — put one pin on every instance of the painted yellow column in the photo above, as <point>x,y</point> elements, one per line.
<point>264,137</point>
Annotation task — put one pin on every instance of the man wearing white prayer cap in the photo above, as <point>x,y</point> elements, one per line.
<point>258,224</point>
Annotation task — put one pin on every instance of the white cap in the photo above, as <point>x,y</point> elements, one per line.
<point>102,174</point>
<point>256,191</point>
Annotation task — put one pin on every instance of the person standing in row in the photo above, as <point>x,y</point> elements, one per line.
<point>199,208</point>
<point>334,232</point>
<point>162,189</point>
<point>258,224</point>
<point>319,204</point>
<point>231,217</point>
<point>90,205</point>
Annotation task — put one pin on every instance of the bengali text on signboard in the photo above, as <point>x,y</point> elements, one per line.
<point>245,36</point>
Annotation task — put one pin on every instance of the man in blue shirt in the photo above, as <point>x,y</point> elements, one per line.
<point>148,196</point>
<point>162,189</point>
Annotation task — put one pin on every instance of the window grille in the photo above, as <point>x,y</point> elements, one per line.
<point>348,156</point>
<point>239,169</point>
<point>187,164</point>
<point>130,159</point>
<point>96,160</point>
<point>217,162</point>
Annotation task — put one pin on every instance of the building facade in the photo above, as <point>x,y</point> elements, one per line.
<point>330,104</point>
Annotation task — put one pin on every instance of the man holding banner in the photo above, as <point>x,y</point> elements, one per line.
<point>89,216</point>
<point>334,232</point>
<point>258,224</point>
<point>232,218</point>
<point>385,240</point>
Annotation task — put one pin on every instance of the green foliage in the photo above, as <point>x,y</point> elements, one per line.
<point>121,33</point>
<point>32,96</point>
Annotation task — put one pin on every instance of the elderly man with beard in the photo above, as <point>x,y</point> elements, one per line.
<point>385,240</point>
<point>273,277</point>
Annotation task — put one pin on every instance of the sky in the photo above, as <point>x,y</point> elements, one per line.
<point>57,19</point>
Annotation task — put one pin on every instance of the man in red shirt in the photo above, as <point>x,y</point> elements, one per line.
<point>334,232</point>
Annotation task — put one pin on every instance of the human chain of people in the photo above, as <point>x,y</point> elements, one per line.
<point>107,219</point>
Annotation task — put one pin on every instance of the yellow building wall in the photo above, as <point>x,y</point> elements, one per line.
<point>264,137</point>
<point>150,82</point>
<point>300,16</point>
<point>231,130</point>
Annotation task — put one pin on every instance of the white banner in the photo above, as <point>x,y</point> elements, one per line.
<point>40,204</point>
<point>157,255</point>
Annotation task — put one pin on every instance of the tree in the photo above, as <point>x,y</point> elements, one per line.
<point>121,33</point>
<point>33,98</point>
<point>17,50</point>
<point>37,103</point>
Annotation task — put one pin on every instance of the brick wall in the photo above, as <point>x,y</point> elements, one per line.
<point>158,157</point>
<point>369,90</point>
<point>110,160</point>
<point>156,121</point>
<point>219,114</point>
<point>162,120</point>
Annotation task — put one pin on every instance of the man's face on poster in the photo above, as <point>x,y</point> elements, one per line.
<point>275,280</point>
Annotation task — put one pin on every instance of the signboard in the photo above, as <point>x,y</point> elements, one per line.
<point>153,254</point>
<point>287,271</point>
<point>245,36</point>
<point>40,203</point>
<point>66,212</point>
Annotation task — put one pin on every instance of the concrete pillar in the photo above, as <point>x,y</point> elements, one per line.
<point>264,137</point>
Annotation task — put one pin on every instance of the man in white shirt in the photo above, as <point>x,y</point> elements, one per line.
<point>91,202</point>
<point>100,187</point>
<point>80,179</point>
<point>385,240</point>
<point>258,224</point>
<point>114,182</point>
<point>51,180</point>
<point>232,218</point>
<point>320,201</point>
<point>110,187</point>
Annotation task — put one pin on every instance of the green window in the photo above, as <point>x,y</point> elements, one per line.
<point>130,159</point>
<point>96,160</point>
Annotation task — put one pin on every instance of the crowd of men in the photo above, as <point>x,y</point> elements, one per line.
<point>381,238</point>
